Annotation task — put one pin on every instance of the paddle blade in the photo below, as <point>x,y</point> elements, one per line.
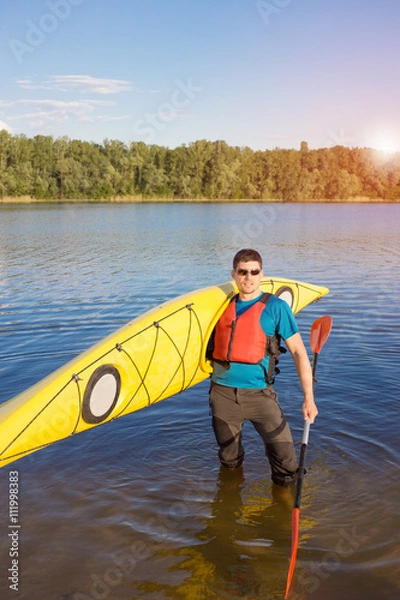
<point>319,333</point>
<point>295,542</point>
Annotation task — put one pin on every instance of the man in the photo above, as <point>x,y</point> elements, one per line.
<point>241,382</point>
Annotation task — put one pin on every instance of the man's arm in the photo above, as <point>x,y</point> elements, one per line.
<point>303,367</point>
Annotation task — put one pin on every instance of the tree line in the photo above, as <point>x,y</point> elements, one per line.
<point>45,168</point>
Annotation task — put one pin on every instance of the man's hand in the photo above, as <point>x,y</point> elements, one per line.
<point>310,411</point>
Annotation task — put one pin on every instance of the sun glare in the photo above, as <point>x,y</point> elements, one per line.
<point>387,143</point>
<point>387,146</point>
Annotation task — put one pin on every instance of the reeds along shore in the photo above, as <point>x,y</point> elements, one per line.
<point>141,200</point>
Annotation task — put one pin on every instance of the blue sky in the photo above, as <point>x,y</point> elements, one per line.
<point>257,73</point>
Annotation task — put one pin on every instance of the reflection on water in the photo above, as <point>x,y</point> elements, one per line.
<point>240,545</point>
<point>139,508</point>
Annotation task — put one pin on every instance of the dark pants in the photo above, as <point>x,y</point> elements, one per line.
<point>231,406</point>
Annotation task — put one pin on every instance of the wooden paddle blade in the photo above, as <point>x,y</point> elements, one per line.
<point>295,543</point>
<point>319,333</point>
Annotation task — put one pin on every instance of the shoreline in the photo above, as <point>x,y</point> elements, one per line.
<point>139,200</point>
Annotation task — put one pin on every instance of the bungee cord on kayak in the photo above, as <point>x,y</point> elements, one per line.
<point>119,346</point>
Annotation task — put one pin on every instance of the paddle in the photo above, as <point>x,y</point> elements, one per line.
<point>319,333</point>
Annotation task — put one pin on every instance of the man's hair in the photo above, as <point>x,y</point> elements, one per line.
<point>246,255</point>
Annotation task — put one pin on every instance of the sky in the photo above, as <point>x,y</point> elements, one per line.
<point>256,73</point>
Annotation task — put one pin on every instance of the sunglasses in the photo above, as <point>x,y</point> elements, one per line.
<point>244,272</point>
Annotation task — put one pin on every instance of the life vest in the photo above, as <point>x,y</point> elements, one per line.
<point>242,339</point>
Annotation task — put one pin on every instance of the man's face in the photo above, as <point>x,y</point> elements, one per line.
<point>247,276</point>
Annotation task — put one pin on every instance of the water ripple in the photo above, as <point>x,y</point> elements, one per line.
<point>142,499</point>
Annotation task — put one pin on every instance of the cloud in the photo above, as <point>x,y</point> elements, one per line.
<point>4,125</point>
<point>45,113</point>
<point>105,118</point>
<point>27,84</point>
<point>86,84</point>
<point>83,84</point>
<point>64,101</point>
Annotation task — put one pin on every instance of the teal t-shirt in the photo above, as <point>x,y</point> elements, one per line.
<point>277,317</point>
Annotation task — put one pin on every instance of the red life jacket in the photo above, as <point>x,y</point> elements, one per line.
<point>241,339</point>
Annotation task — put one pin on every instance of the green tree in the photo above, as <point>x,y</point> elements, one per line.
<point>286,174</point>
<point>47,168</point>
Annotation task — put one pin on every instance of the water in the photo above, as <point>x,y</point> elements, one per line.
<point>138,508</point>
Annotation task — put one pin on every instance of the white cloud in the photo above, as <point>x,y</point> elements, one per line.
<point>42,113</point>
<point>4,125</point>
<point>105,118</point>
<point>68,99</point>
<point>86,84</point>
<point>26,84</point>
<point>83,84</point>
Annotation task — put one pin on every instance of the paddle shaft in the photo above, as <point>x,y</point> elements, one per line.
<point>301,470</point>
<point>314,365</point>
<point>296,507</point>
<point>304,443</point>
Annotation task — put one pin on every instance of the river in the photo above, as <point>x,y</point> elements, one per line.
<point>139,508</point>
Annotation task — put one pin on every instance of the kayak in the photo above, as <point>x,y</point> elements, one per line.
<point>154,356</point>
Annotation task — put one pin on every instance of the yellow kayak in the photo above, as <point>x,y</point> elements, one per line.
<point>153,357</point>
